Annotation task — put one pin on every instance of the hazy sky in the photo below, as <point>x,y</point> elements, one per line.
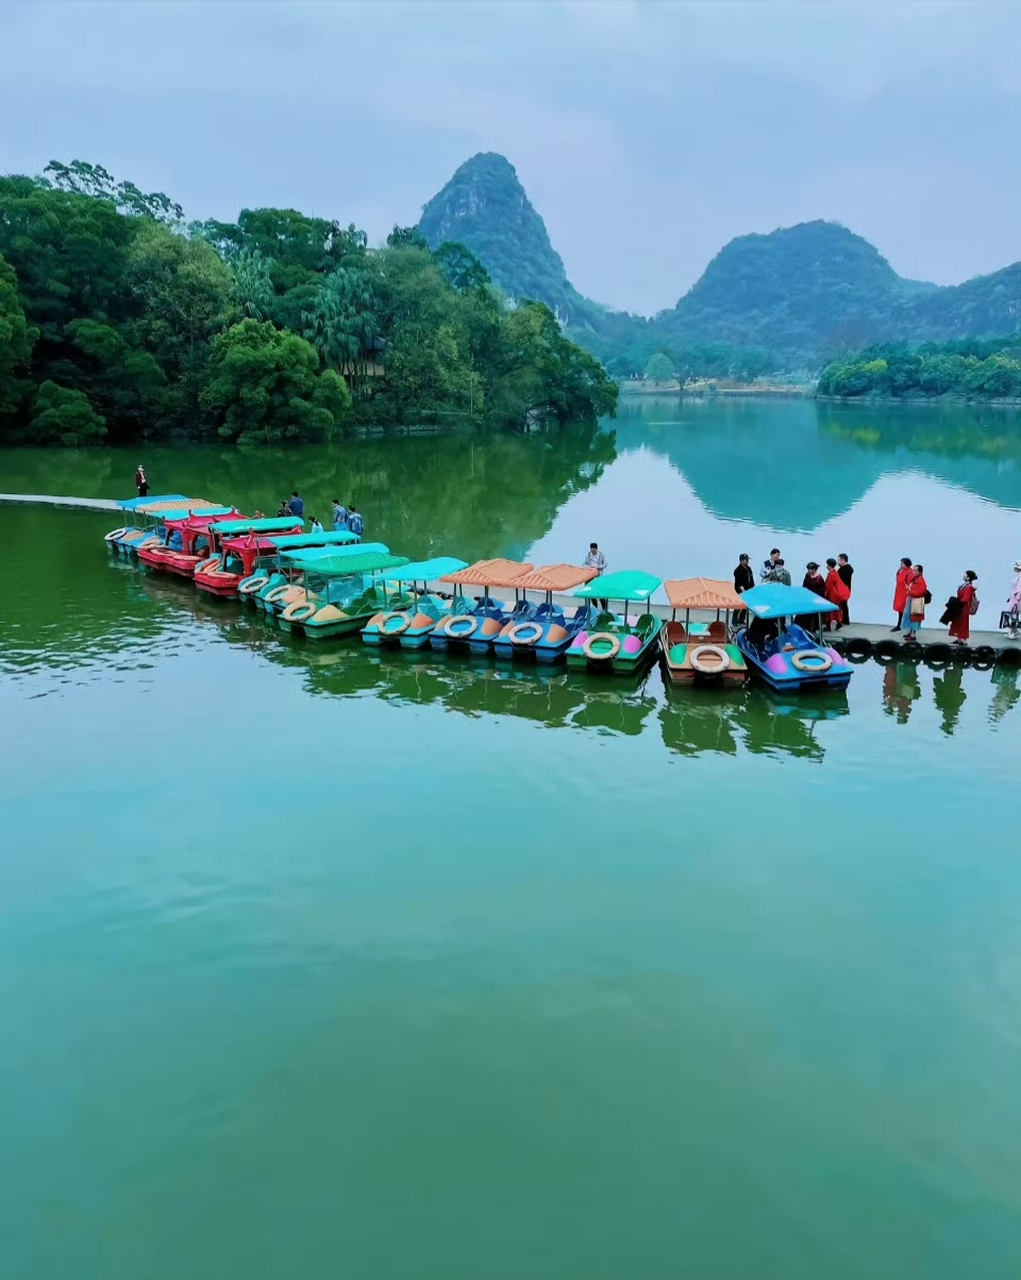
<point>646,133</point>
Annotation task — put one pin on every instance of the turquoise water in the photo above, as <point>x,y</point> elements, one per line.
<point>319,962</point>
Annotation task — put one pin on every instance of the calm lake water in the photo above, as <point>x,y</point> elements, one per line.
<point>317,962</point>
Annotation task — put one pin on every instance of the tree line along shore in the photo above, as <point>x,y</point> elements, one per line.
<point>120,323</point>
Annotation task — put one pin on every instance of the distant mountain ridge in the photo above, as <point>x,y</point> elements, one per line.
<point>790,299</point>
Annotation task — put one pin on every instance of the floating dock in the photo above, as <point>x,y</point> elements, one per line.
<point>52,500</point>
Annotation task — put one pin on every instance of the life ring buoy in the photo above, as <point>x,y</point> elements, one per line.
<point>812,661</point>
<point>525,633</point>
<point>403,621</point>
<point>466,624</point>
<point>710,659</point>
<point>278,593</point>
<point>252,586</point>
<point>300,611</point>
<point>117,533</point>
<point>601,637</point>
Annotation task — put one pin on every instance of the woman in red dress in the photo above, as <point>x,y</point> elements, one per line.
<point>960,628</point>
<point>835,591</point>
<point>914,614</point>
<point>900,591</point>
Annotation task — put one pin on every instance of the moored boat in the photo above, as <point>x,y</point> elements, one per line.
<point>190,540</point>
<point>616,643</point>
<point>547,633</point>
<point>288,585</point>
<point>239,547</point>
<point>147,516</point>
<point>476,625</point>
<point>341,592</point>
<point>779,650</point>
<point>411,627</point>
<point>701,652</point>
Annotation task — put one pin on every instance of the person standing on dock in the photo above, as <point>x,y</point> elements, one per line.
<point>846,572</point>
<point>744,580</point>
<point>768,570</point>
<point>900,591</point>
<point>354,521</point>
<point>835,592</point>
<point>596,560</point>
<point>918,598</point>
<point>297,505</point>
<point>781,574</point>
<point>960,624</point>
<point>142,482</point>
<point>814,582</point>
<point>1010,617</point>
<point>339,515</point>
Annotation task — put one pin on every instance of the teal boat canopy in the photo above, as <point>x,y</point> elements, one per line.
<point>208,512</point>
<point>319,552</point>
<point>294,541</point>
<point>274,524</point>
<point>347,566</point>
<point>427,570</point>
<point>774,600</point>
<point>132,504</point>
<point>628,584</point>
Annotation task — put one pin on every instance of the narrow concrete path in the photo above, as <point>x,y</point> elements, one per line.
<point>53,500</point>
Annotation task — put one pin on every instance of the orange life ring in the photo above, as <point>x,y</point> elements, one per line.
<point>600,636</point>
<point>516,635</point>
<point>473,626</point>
<point>719,663</point>
<point>292,612</point>
<point>813,661</point>
<point>403,622</point>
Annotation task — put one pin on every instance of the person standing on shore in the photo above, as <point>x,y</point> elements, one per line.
<point>835,592</point>
<point>918,597</point>
<point>960,624</point>
<point>846,572</point>
<point>142,482</point>
<point>900,591</point>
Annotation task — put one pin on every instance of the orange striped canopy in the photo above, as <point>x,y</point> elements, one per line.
<point>701,593</point>
<point>556,577</point>
<point>490,573</point>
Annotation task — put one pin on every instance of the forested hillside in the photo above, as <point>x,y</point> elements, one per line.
<point>790,300</point>
<point>119,323</point>
<point>970,369</point>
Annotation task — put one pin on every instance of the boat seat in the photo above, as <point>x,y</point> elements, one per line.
<point>718,631</point>
<point>678,654</point>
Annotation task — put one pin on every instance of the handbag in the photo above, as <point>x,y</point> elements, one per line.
<point>917,609</point>
<point>973,607</point>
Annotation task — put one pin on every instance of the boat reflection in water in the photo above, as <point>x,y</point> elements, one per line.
<point>756,719</point>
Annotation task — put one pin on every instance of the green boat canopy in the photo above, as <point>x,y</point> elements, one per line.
<point>341,566</point>
<point>427,570</point>
<point>628,584</point>
<point>319,551</point>
<point>276,524</point>
<point>338,538</point>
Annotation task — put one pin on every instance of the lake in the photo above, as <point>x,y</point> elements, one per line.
<point>317,961</point>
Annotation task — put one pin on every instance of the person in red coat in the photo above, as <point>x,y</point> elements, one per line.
<point>900,591</point>
<point>836,592</point>
<point>960,628</point>
<point>914,614</point>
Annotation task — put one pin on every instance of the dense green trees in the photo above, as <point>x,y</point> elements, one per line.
<point>118,323</point>
<point>973,369</point>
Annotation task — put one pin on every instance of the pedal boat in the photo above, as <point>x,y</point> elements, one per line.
<point>476,626</point>
<point>289,586</point>
<point>780,651</point>
<point>194,542</point>
<point>411,627</point>
<point>547,634</point>
<point>147,516</point>
<point>342,591</point>
<point>696,653</point>
<point>617,644</point>
<point>238,547</point>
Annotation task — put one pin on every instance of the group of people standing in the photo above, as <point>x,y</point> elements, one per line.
<point>346,518</point>
<point>835,586</point>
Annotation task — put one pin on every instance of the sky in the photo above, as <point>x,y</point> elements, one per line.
<point>646,133</point>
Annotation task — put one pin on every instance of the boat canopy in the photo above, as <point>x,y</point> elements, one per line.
<point>276,524</point>
<point>556,577</point>
<point>192,520</point>
<point>205,513</point>
<point>320,552</point>
<point>774,600</point>
<point>427,570</point>
<point>339,565</point>
<point>628,584</point>
<point>335,538</point>
<point>702,593</point>
<point>152,501</point>
<point>490,573</point>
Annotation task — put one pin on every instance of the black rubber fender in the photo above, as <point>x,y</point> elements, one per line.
<point>911,651</point>
<point>858,647</point>
<point>939,656</point>
<point>1008,656</point>
<point>983,657</point>
<point>887,651</point>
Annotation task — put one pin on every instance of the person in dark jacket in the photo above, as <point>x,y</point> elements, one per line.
<point>744,578</point>
<point>142,482</point>
<point>297,505</point>
<point>816,583</point>
<point>846,572</point>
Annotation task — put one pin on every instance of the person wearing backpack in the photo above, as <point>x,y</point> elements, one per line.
<point>918,596</point>
<point>960,625</point>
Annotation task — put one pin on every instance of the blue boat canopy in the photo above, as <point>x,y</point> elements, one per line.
<point>131,504</point>
<point>427,570</point>
<point>774,600</point>
<point>310,554</point>
<point>335,538</point>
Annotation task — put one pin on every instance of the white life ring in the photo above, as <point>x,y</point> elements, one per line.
<point>600,636</point>
<point>301,611</point>
<point>710,659</point>
<point>525,633</point>
<point>403,622</point>
<point>812,661</point>
<point>473,626</point>
<point>251,586</point>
